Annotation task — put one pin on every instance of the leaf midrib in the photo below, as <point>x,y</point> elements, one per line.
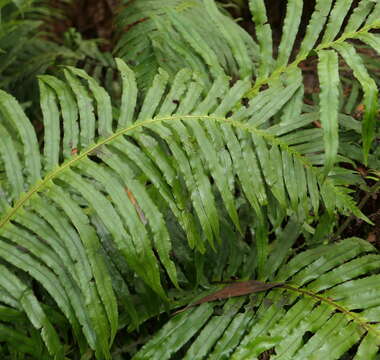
<point>283,69</point>
<point>355,317</point>
<point>53,174</point>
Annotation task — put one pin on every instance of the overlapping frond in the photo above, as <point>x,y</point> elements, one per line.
<point>107,184</point>
<point>188,178</point>
<point>15,33</point>
<point>175,34</point>
<point>327,307</point>
<point>331,32</point>
<point>28,48</point>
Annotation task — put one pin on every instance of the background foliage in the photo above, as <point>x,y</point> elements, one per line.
<point>152,151</point>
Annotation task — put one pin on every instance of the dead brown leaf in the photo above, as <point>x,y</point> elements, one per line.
<point>238,288</point>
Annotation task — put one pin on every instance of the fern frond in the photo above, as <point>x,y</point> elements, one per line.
<point>30,305</point>
<point>28,48</point>
<point>175,34</point>
<point>326,23</point>
<point>328,304</point>
<point>109,188</point>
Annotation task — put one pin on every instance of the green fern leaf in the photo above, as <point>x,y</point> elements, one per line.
<point>329,303</point>
<point>176,35</point>
<point>100,201</point>
<point>333,35</point>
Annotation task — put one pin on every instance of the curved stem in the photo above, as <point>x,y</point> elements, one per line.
<point>303,56</point>
<point>355,317</point>
<point>92,149</point>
